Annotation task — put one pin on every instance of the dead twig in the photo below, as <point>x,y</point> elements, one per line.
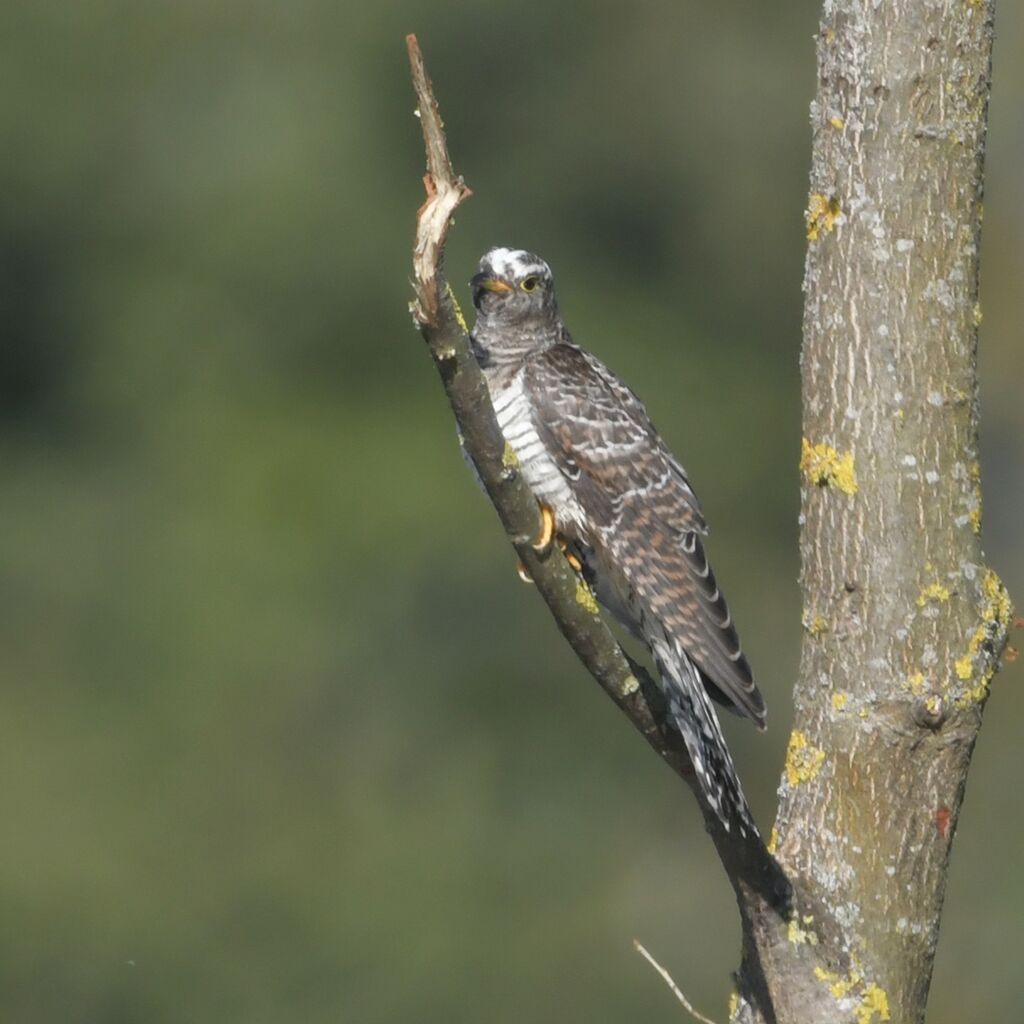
<point>667,978</point>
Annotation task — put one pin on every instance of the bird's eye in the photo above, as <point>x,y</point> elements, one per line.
<point>530,283</point>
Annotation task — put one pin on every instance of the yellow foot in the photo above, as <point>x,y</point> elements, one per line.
<point>547,529</point>
<point>573,561</point>
<point>522,572</point>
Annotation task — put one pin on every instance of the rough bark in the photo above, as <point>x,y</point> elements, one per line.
<point>904,623</point>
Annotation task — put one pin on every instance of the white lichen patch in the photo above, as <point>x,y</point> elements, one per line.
<point>938,291</point>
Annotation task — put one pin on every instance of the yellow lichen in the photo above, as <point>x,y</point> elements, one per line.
<point>803,759</point>
<point>998,607</point>
<point>814,624</point>
<point>509,459</point>
<point>773,841</point>
<point>585,598</point>
<point>933,592</point>
<point>457,309</point>
<point>800,936</point>
<point>822,214</point>
<point>996,611</point>
<point>916,683</point>
<point>839,700</point>
<point>823,466</point>
<point>874,1001</point>
<point>974,514</point>
<point>977,314</point>
<point>836,122</point>
<point>839,987</point>
<point>734,1004</point>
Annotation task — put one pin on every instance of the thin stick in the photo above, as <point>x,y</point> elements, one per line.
<point>439,165</point>
<point>667,978</point>
<point>445,192</point>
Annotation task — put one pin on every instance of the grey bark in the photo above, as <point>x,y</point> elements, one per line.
<point>904,623</point>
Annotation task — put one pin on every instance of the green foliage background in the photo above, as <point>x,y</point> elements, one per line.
<point>281,736</point>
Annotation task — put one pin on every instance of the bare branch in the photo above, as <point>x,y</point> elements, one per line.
<point>445,192</point>
<point>444,330</point>
<point>676,991</point>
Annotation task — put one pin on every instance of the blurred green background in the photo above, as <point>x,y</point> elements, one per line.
<point>282,738</point>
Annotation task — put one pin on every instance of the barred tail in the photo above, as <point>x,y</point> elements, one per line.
<point>695,718</point>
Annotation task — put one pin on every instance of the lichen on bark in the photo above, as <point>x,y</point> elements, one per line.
<point>916,622</point>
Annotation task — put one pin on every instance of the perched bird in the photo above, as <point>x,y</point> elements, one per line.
<point>620,504</point>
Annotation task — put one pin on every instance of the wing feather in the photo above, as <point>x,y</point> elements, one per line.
<point>640,509</point>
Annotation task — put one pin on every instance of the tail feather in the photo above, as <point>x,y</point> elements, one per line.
<point>695,718</point>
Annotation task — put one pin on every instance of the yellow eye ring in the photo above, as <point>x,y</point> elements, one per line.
<point>529,284</point>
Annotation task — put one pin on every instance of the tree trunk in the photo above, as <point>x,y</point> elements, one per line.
<point>904,624</point>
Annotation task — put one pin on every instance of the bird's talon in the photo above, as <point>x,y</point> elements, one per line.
<point>547,529</point>
<point>563,545</point>
<point>522,572</point>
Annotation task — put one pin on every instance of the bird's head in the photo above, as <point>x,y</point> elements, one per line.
<point>512,286</point>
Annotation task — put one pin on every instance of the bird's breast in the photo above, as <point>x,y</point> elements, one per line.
<point>515,413</point>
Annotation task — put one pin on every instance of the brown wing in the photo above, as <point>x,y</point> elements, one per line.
<point>640,510</point>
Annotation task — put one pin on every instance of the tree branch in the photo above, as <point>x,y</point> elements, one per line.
<point>673,987</point>
<point>436,313</point>
<point>443,327</point>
